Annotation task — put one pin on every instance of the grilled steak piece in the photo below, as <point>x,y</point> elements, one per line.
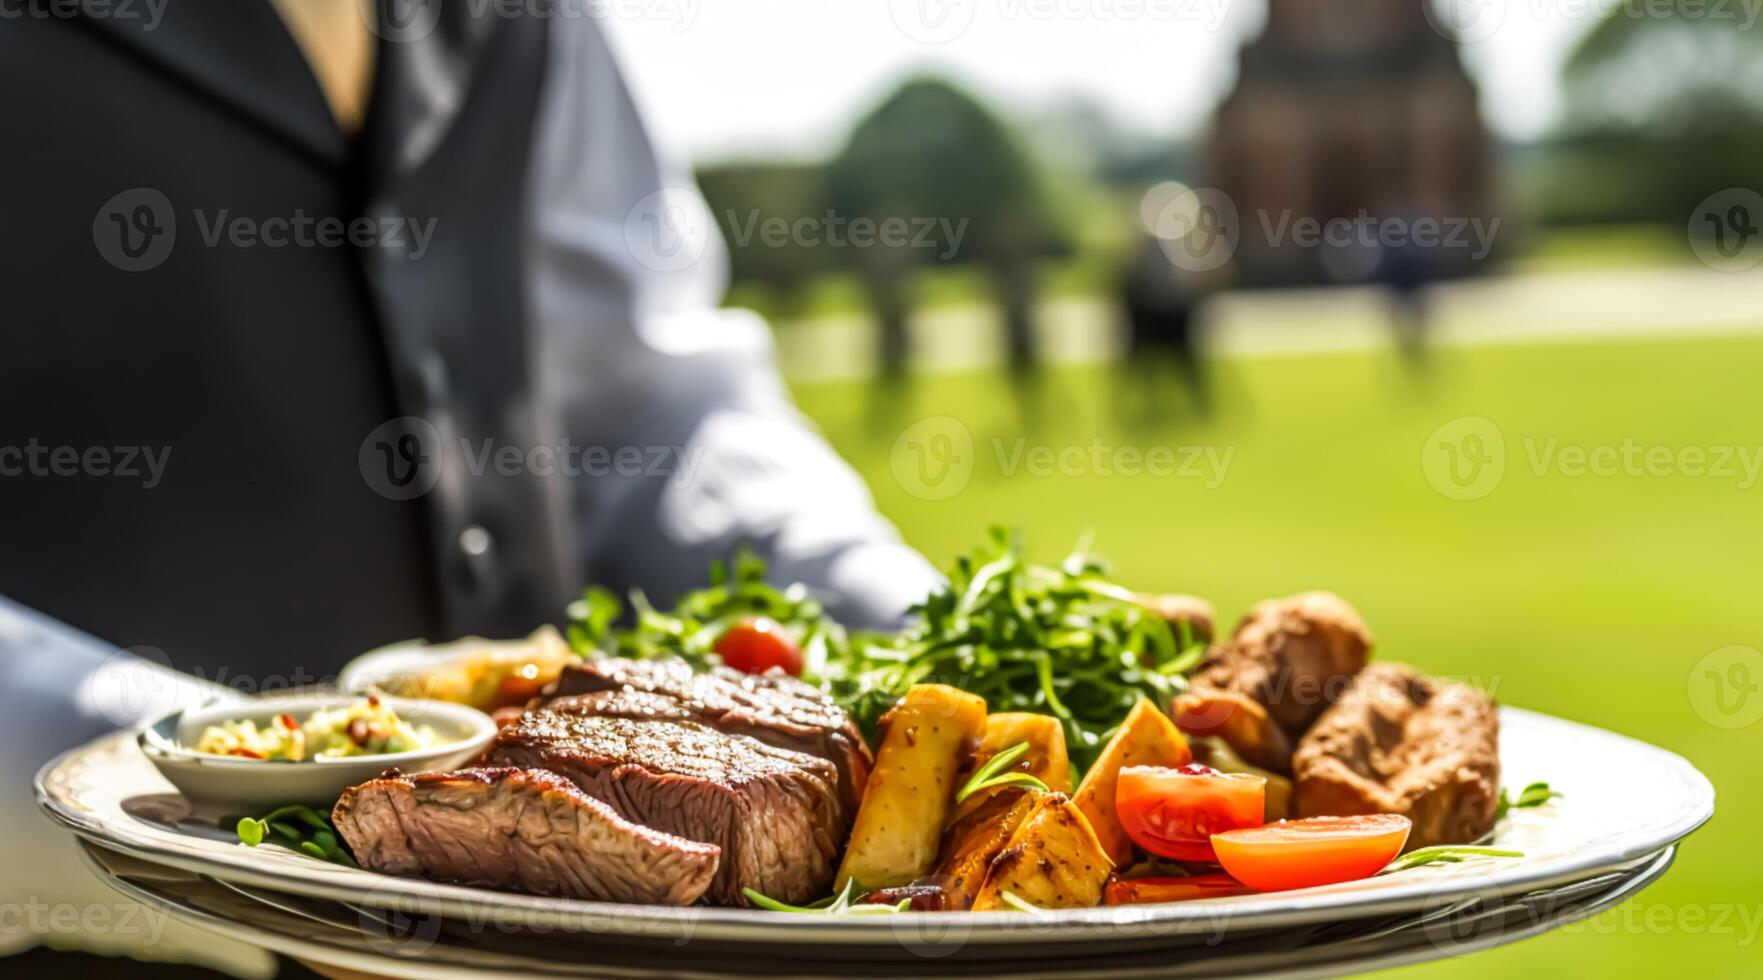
<point>1288,660</point>
<point>525,830</point>
<point>774,813</point>
<point>774,708</point>
<point>1401,742</point>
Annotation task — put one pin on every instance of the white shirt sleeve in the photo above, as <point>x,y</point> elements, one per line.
<point>627,271</point>
<point>58,689</point>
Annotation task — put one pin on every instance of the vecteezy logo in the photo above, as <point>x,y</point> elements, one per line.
<point>402,21</point>
<point>668,229</point>
<point>1724,230</point>
<point>399,460</point>
<point>1726,687</point>
<point>131,684</point>
<point>395,925</point>
<point>933,458</point>
<point>1465,459</point>
<point>1197,229</point>
<point>135,230</point>
<point>932,21</point>
<point>1466,21</point>
<point>1463,910</point>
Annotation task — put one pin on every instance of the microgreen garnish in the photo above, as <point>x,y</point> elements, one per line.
<point>992,775</point>
<point>1534,795</point>
<point>1018,903</point>
<point>1445,854</point>
<point>840,904</point>
<point>298,828</point>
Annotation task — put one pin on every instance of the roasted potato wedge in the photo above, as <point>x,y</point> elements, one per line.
<point>1047,759</point>
<point>975,838</point>
<point>926,741</point>
<point>1053,861</point>
<point>1146,738</point>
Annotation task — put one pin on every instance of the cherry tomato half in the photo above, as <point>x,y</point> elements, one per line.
<point>1312,851</point>
<point>756,645</point>
<point>1145,891</point>
<point>1173,813</point>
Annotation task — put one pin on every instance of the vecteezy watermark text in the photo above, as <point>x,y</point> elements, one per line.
<point>37,917</point>
<point>147,12</point>
<point>302,230</point>
<point>137,229</point>
<point>144,463</point>
<point>403,458</point>
<point>935,457</point>
<point>1466,459</point>
<point>1366,230</point>
<point>833,230</point>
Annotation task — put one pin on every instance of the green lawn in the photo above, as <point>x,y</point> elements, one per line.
<point>1586,596</point>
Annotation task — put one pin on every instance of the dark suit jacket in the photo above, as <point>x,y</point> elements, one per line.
<point>266,377</point>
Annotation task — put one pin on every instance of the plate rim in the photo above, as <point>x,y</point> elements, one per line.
<point>412,894</point>
<point>1646,874</point>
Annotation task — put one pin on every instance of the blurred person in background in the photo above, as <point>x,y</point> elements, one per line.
<point>289,282</point>
<point>1161,300</point>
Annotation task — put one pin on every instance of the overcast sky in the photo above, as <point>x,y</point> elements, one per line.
<point>768,78</point>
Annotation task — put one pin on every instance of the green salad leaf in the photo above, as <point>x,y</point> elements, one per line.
<point>1060,640</point>
<point>691,628</point>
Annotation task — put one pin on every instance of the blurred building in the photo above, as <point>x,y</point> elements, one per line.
<point>1347,110</point>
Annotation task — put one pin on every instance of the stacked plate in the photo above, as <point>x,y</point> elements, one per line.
<point>1625,805</point>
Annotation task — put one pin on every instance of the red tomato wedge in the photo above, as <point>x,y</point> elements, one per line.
<point>1312,851</point>
<point>1173,813</point>
<point>1146,891</point>
<point>754,646</point>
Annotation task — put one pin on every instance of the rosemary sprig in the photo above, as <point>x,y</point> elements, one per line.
<point>840,904</point>
<point>992,774</point>
<point>1445,854</point>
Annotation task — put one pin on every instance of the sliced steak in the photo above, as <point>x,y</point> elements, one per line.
<point>774,708</point>
<point>1401,742</point>
<point>1288,660</point>
<point>524,830</point>
<point>775,813</point>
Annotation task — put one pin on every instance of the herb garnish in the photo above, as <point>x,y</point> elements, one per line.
<point>992,775</point>
<point>317,838</point>
<point>1534,795</point>
<point>840,904</point>
<point>1445,854</point>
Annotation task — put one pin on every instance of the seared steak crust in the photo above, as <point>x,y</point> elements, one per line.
<point>526,830</point>
<point>774,708</point>
<point>1402,742</point>
<point>775,814</point>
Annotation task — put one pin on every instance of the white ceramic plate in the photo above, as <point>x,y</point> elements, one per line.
<point>1624,801</point>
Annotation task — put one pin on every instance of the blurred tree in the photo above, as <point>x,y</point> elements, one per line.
<point>931,153</point>
<point>1663,109</point>
<point>755,206</point>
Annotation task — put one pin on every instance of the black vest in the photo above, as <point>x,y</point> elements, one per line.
<point>161,297</point>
